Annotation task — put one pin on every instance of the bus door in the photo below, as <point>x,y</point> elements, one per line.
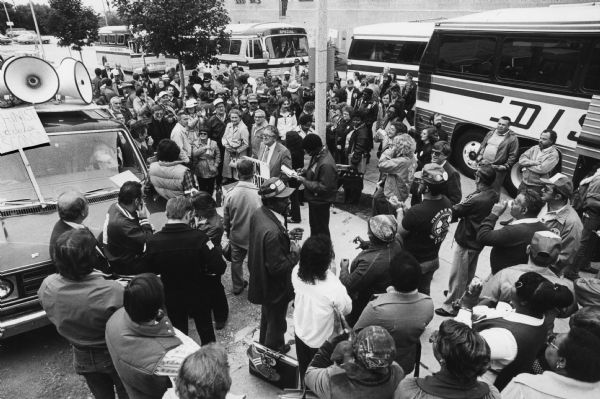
<point>257,57</point>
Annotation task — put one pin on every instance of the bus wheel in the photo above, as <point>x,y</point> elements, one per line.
<point>465,151</point>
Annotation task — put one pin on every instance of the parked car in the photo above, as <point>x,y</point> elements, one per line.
<point>46,39</point>
<point>5,39</point>
<point>26,39</point>
<point>86,149</point>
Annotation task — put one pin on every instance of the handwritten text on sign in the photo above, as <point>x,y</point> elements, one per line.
<point>20,128</point>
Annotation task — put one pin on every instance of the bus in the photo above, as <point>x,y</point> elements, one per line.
<point>259,46</point>
<point>398,46</point>
<point>116,45</point>
<point>538,66</point>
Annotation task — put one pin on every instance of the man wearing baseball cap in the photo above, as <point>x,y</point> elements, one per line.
<point>471,211</point>
<point>271,258</point>
<point>542,254</point>
<point>364,368</point>
<point>424,226</point>
<point>560,217</point>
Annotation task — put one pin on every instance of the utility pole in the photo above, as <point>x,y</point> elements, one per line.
<point>321,70</point>
<point>8,22</point>
<point>37,29</point>
<point>104,8</point>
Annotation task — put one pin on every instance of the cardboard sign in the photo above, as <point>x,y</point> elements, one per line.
<point>20,128</point>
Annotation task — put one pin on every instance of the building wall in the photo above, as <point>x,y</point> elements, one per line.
<point>344,15</point>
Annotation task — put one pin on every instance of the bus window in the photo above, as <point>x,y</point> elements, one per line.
<point>121,39</point>
<point>233,47</point>
<point>547,61</point>
<point>387,51</point>
<point>103,39</point>
<point>591,82</point>
<point>111,39</point>
<point>258,52</point>
<point>467,54</point>
<point>287,46</point>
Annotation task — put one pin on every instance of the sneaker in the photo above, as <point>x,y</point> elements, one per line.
<point>444,313</point>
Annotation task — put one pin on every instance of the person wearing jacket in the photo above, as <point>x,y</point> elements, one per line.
<point>236,141</point>
<point>397,166</point>
<point>139,337</point>
<point>538,161</point>
<point>369,272</point>
<point>271,258</point>
<point>320,182</point>
<point>499,148</point>
<point>358,144</point>
<point>440,152</point>
<point>471,211</point>
<point>169,176</point>
<point>126,230</point>
<point>184,258</point>
<point>207,158</point>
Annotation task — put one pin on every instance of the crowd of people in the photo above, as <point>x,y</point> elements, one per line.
<point>357,332</point>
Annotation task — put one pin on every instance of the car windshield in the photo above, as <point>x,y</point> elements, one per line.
<point>287,46</point>
<point>81,161</point>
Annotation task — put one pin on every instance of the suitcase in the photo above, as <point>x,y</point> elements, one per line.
<point>273,367</point>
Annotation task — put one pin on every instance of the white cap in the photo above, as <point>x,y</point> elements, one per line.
<point>217,102</point>
<point>162,93</point>
<point>191,103</point>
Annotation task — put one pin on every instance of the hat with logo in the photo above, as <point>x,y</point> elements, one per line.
<point>383,227</point>
<point>374,348</point>
<point>218,101</point>
<point>191,103</point>
<point>562,184</point>
<point>286,72</point>
<point>162,94</point>
<point>275,187</point>
<point>252,97</point>
<point>545,247</point>
<point>432,173</point>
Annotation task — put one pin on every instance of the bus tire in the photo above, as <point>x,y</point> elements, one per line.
<point>465,150</point>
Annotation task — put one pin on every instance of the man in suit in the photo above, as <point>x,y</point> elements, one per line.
<point>72,209</point>
<point>439,154</point>
<point>271,258</point>
<point>274,153</point>
<point>351,93</point>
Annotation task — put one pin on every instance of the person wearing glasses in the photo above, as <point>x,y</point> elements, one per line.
<point>258,129</point>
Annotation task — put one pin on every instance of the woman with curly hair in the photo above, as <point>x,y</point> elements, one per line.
<point>319,293</point>
<point>463,356</point>
<point>397,166</point>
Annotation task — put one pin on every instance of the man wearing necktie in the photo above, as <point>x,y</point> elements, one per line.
<point>274,154</point>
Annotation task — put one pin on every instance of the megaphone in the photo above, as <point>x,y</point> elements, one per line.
<point>30,79</point>
<point>75,80</point>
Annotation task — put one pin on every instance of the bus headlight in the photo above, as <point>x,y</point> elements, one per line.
<point>6,288</point>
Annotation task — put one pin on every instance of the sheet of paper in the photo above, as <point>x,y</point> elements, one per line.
<point>123,177</point>
<point>20,128</point>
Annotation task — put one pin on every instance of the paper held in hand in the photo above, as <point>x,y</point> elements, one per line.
<point>288,172</point>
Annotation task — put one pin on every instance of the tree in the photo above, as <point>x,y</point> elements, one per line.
<point>21,16</point>
<point>73,24</point>
<point>112,17</point>
<point>182,29</point>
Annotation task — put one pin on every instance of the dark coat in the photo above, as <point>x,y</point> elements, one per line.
<point>183,257</point>
<point>293,142</point>
<point>359,145</point>
<point>321,178</point>
<point>472,211</point>
<point>453,190</point>
<point>60,227</point>
<point>270,261</point>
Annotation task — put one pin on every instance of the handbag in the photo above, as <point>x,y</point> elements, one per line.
<point>273,367</point>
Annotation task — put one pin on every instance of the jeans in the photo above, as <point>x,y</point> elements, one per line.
<point>589,242</point>
<point>318,218</point>
<point>273,325</point>
<point>427,269</point>
<point>96,366</point>
<point>238,254</point>
<point>381,205</point>
<point>464,265</point>
<point>305,354</point>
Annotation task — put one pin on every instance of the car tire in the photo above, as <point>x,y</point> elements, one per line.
<point>465,150</point>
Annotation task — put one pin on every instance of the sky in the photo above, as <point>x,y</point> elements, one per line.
<point>95,4</point>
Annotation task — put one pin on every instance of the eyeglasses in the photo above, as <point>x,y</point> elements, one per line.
<point>550,341</point>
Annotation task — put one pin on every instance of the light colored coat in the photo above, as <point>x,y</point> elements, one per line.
<point>239,206</point>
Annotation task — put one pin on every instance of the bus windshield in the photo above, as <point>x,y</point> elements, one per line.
<point>287,46</point>
<point>84,161</point>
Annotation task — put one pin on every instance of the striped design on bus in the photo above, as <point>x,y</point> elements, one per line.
<point>588,142</point>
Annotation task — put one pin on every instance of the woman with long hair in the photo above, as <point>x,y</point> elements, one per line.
<point>284,118</point>
<point>319,294</point>
<point>425,142</point>
<point>463,355</point>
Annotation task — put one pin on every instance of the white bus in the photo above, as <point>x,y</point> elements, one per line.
<point>538,66</point>
<point>398,46</point>
<point>259,46</point>
<point>116,45</point>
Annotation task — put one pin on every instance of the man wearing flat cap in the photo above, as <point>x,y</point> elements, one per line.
<point>560,217</point>
<point>471,211</point>
<point>271,258</point>
<point>424,226</point>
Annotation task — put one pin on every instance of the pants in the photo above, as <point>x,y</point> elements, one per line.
<point>218,299</point>
<point>500,177</point>
<point>295,206</point>
<point>587,291</point>
<point>464,265</point>
<point>96,366</point>
<point>238,254</point>
<point>318,218</point>
<point>304,354</point>
<point>207,185</point>
<point>273,325</point>
<point>427,269</point>
<point>589,242</point>
<point>179,310</point>
<point>381,205</point>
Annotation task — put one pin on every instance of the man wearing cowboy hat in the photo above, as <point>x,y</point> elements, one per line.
<point>271,258</point>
